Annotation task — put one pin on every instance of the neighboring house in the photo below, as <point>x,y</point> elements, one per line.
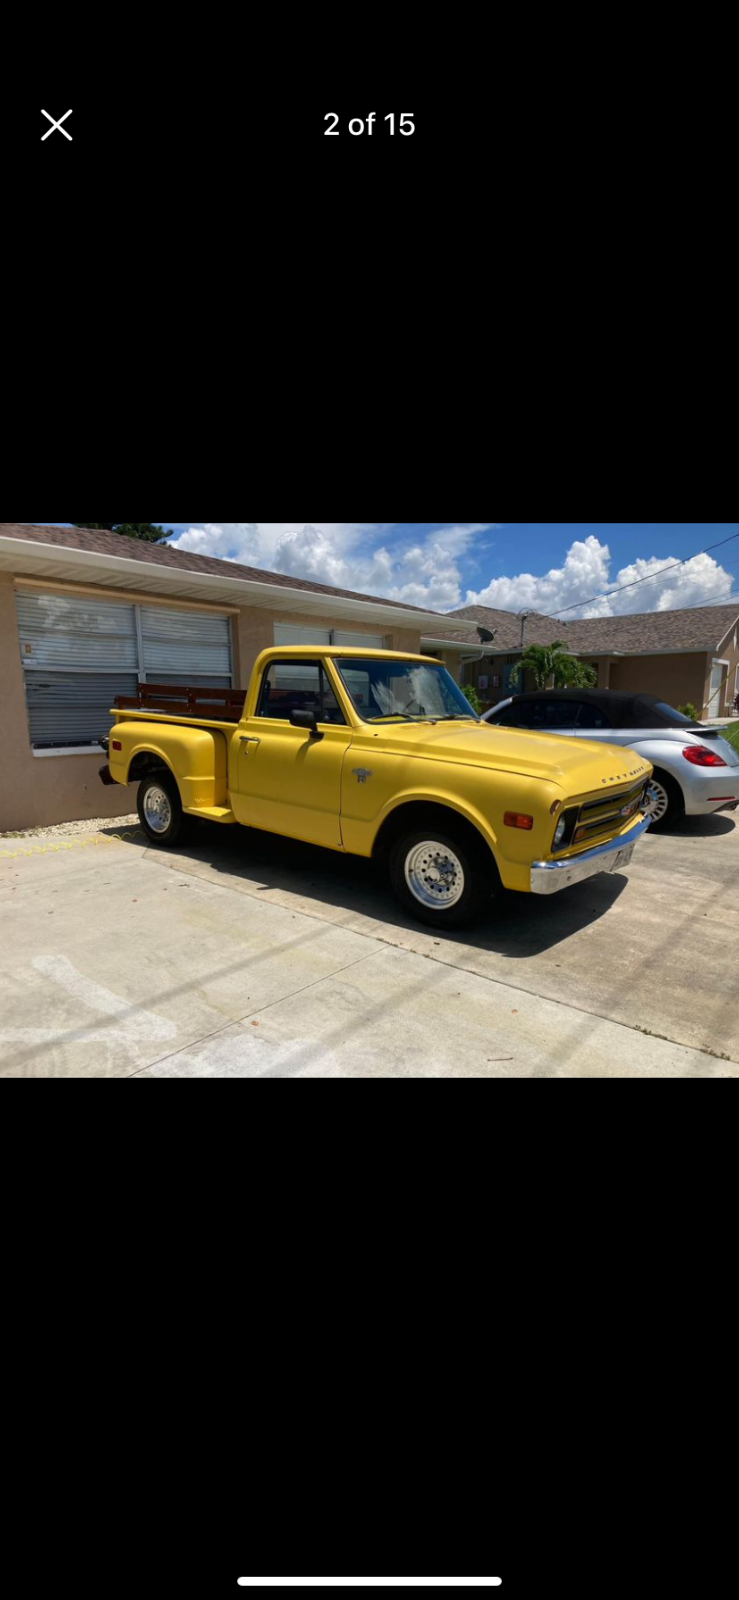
<point>682,655</point>
<point>85,613</point>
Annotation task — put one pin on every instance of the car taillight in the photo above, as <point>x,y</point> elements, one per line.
<point>700,756</point>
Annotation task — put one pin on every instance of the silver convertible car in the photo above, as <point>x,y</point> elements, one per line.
<point>695,770</point>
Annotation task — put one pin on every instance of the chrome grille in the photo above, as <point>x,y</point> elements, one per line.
<point>609,813</point>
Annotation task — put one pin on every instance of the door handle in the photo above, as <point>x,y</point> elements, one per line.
<point>248,738</point>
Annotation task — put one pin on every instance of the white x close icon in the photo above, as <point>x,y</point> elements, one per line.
<point>56,125</point>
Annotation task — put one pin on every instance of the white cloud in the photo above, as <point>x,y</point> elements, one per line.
<point>372,558</point>
<point>700,579</point>
<point>235,541</point>
<point>586,571</point>
<point>256,543</point>
<point>349,555</point>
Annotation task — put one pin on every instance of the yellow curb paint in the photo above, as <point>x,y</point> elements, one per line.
<point>72,844</point>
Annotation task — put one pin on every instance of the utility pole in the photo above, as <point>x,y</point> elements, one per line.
<point>523,615</point>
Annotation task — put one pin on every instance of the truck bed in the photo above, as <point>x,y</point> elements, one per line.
<point>178,701</point>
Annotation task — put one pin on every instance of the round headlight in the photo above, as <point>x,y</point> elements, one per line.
<point>559,831</point>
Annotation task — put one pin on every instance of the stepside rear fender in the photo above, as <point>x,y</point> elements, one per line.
<point>196,756</point>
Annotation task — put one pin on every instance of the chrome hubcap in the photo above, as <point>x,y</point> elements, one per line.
<point>657,801</point>
<point>157,809</point>
<point>434,874</point>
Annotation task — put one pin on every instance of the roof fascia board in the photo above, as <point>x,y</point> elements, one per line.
<point>504,650</point>
<point>63,586</point>
<point>24,553</point>
<point>679,650</point>
<point>515,649</point>
<point>730,629</point>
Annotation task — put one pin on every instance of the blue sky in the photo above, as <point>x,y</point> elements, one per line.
<point>543,566</point>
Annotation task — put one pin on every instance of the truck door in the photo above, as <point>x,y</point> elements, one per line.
<point>287,780</point>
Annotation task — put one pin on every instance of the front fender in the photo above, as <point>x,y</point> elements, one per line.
<point>479,795</point>
<point>439,797</point>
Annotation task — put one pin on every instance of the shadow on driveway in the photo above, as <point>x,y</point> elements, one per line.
<point>514,925</point>
<point>698,827</point>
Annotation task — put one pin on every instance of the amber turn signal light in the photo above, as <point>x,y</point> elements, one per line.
<point>513,819</point>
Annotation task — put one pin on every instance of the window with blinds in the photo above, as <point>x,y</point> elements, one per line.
<point>289,633</point>
<point>78,653</point>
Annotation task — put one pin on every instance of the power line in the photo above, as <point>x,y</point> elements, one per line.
<point>606,592</point>
<point>706,605</point>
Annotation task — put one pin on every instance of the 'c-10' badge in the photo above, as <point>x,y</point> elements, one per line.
<point>362,773</point>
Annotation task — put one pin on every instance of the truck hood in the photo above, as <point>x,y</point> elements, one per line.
<point>575,765</point>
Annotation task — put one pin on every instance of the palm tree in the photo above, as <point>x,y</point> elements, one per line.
<point>550,666</point>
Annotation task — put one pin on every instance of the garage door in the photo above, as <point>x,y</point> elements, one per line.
<point>287,633</point>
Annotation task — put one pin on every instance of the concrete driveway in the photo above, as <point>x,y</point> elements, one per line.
<point>245,955</point>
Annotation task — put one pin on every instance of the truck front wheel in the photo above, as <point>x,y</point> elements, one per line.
<point>160,808</point>
<point>442,878</point>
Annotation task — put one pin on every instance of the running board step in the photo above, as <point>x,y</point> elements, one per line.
<point>213,813</point>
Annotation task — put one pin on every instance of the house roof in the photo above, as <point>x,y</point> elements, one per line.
<point>692,628</point>
<point>636,633</point>
<point>99,541</point>
<point>508,627</point>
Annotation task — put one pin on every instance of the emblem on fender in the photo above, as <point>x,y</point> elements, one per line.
<point>362,773</point>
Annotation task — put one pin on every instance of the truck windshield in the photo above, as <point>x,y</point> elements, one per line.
<point>411,691</point>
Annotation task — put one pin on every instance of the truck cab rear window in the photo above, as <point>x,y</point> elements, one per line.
<point>298,686</point>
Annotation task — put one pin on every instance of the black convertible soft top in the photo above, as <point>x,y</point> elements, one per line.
<point>623,710</point>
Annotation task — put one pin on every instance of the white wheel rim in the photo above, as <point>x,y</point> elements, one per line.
<point>657,801</point>
<point>157,809</point>
<point>434,874</point>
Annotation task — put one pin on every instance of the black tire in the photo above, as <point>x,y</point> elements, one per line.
<point>666,790</point>
<point>159,794</point>
<point>450,851</point>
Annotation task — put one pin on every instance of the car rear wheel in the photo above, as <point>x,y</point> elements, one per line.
<point>441,878</point>
<point>666,804</point>
<point>160,808</point>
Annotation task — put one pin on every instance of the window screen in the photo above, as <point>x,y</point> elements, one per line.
<point>190,643</point>
<point>296,633</point>
<point>360,641</point>
<point>68,708</point>
<point>79,652</point>
<point>71,631</point>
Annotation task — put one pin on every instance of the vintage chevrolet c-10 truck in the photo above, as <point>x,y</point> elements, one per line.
<point>379,754</point>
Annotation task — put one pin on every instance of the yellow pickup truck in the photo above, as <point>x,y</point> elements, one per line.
<point>379,754</point>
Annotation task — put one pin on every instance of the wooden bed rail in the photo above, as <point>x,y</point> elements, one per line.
<point>223,705</point>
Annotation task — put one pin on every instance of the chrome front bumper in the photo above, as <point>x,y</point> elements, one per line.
<point>549,876</point>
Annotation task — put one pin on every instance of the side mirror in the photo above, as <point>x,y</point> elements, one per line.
<point>305,719</point>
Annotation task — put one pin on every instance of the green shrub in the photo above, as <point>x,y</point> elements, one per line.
<point>471,694</point>
<point>688,710</point>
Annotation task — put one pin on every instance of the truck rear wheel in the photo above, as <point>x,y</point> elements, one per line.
<point>441,878</point>
<point>160,808</point>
